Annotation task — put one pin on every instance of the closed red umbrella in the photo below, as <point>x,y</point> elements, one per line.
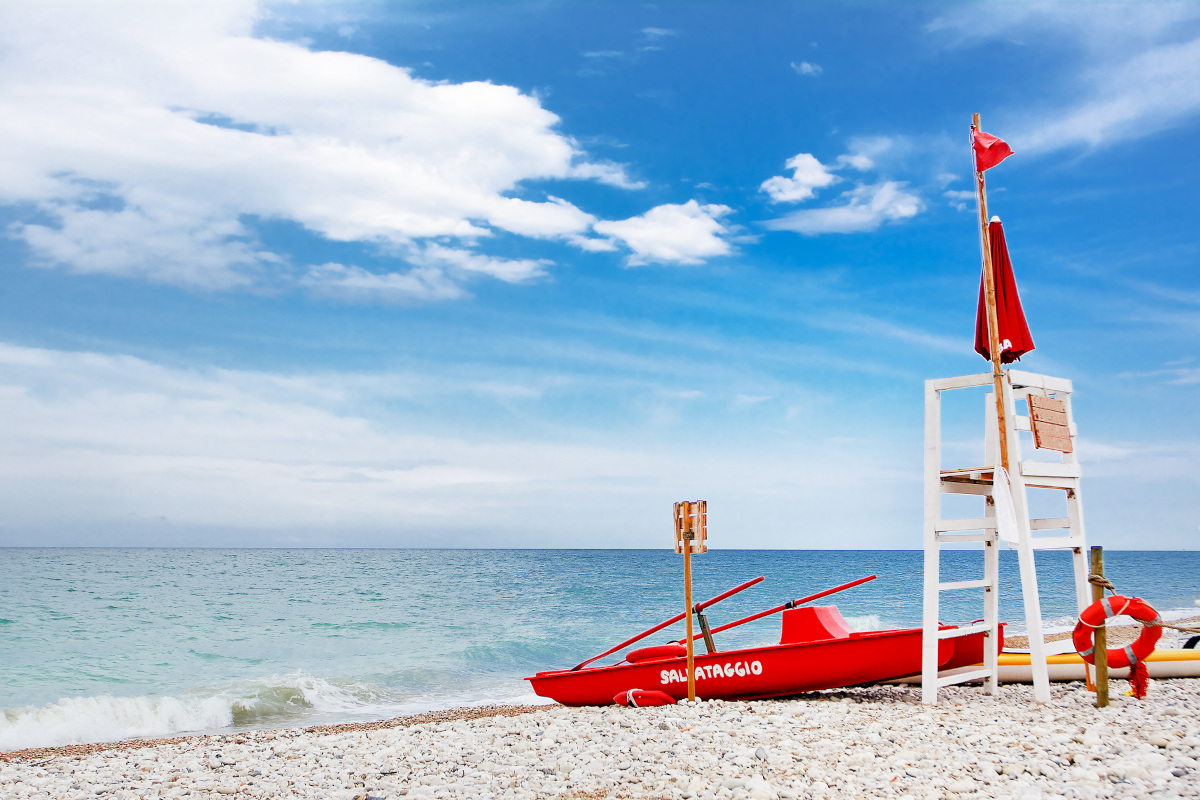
<point>1014,336</point>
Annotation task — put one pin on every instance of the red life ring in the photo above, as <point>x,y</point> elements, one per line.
<point>642,698</point>
<point>1095,614</point>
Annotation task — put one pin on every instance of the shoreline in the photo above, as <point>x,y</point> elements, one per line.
<point>876,741</point>
<point>443,715</point>
<point>1118,635</point>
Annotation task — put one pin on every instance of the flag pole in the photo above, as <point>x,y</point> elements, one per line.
<point>993,323</point>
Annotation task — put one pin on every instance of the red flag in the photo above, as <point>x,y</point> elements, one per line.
<point>1015,339</point>
<point>989,151</point>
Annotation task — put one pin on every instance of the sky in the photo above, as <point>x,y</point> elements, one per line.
<point>523,274</point>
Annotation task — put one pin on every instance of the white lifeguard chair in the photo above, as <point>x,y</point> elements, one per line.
<point>1006,516</point>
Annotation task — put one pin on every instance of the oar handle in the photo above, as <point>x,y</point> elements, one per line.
<point>834,590</point>
<point>699,607</point>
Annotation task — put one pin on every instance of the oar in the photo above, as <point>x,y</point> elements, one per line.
<point>699,607</point>
<point>789,604</point>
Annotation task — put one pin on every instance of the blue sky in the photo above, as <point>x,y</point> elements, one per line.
<point>524,274</point>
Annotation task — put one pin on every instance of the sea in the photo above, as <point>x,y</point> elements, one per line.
<point>108,644</point>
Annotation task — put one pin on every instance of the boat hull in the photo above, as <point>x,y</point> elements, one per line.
<point>752,673</point>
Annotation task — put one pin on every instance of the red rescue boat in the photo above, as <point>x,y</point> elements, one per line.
<point>817,650</point>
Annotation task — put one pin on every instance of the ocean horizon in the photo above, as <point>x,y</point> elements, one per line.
<point>107,643</point>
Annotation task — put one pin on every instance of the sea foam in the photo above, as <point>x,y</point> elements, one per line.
<point>278,699</point>
<point>80,720</point>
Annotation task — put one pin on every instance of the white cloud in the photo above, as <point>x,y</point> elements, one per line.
<point>149,137</point>
<point>593,244</point>
<point>1140,96</point>
<point>750,399</point>
<point>170,241</point>
<point>111,449</point>
<point>417,284</point>
<point>1135,75</point>
<point>878,329</point>
<point>681,234</point>
<point>808,175</point>
<point>863,208</point>
<point>603,172</point>
<point>115,450</point>
<point>865,151</point>
<point>517,270</point>
<point>1177,376</point>
<point>858,161</point>
<point>960,199</point>
<point>439,275</point>
<point>807,68</point>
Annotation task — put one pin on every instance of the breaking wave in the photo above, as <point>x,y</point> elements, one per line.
<point>277,701</point>
<point>867,622</point>
<point>80,720</point>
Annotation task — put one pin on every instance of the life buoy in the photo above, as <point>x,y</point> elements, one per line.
<point>641,698</point>
<point>656,653</point>
<point>1118,657</point>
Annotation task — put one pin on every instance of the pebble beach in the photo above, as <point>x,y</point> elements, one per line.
<point>876,741</point>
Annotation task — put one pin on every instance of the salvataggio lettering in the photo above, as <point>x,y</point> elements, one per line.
<point>733,669</point>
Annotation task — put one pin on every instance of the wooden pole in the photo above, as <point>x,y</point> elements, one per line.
<point>687,581</point>
<point>1101,637</point>
<point>993,323</point>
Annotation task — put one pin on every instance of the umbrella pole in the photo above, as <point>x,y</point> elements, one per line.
<point>993,322</point>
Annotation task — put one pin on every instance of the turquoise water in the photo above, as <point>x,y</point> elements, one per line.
<point>101,644</point>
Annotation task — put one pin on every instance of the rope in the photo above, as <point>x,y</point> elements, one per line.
<point>1128,602</point>
<point>1099,580</point>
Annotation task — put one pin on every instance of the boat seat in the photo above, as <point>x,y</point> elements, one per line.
<point>812,624</point>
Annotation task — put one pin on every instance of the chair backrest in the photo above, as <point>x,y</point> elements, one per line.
<point>1048,419</point>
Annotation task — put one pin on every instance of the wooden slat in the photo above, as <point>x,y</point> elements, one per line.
<point>1061,444</point>
<point>1052,483</point>
<point>1049,524</point>
<point>1055,542</point>
<point>1046,469</point>
<point>960,382</point>
<point>977,475</point>
<point>960,538</point>
<point>1054,416</point>
<point>963,630</point>
<point>981,489</point>
<point>968,524</point>
<point>1049,422</point>
<point>1042,401</point>
<point>1021,379</point>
